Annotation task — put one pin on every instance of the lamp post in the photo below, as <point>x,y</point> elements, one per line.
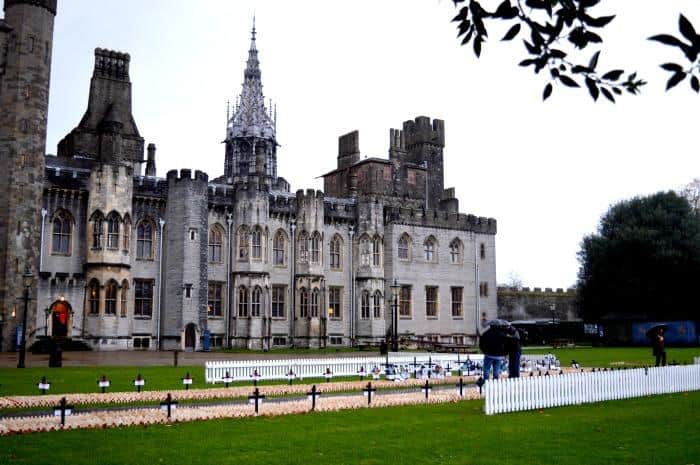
<point>47,312</point>
<point>395,288</point>
<point>27,278</point>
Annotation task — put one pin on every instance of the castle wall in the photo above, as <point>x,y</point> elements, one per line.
<point>537,304</point>
<point>24,97</point>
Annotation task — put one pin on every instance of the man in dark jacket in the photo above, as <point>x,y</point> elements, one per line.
<point>659,348</point>
<point>493,344</point>
<point>514,352</point>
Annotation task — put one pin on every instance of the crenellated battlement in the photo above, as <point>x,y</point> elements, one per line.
<point>439,219</point>
<point>111,64</point>
<point>423,131</point>
<point>185,174</point>
<point>149,186</point>
<point>50,5</point>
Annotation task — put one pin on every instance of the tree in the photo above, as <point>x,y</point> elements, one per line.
<point>691,192</point>
<point>644,261</point>
<point>553,29</point>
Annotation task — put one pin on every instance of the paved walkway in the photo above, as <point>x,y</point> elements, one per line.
<point>164,358</point>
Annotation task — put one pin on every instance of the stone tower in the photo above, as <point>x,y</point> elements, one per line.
<point>251,145</point>
<point>424,142</point>
<point>26,37</point>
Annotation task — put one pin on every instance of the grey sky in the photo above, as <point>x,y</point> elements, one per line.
<point>546,171</point>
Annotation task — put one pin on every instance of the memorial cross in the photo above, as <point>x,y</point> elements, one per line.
<point>256,398</point>
<point>103,383</point>
<point>255,376</point>
<point>168,405</point>
<point>290,376</point>
<point>43,385</point>
<point>139,382</point>
<point>426,389</point>
<point>62,410</point>
<point>187,381</point>
<point>460,385</point>
<point>312,395</point>
<point>227,379</point>
<point>480,383</point>
<point>368,392</point>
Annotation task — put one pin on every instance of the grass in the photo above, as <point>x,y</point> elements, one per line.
<point>655,430</point>
<point>605,357</point>
<point>66,380</point>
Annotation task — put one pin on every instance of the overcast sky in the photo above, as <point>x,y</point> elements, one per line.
<point>545,171</point>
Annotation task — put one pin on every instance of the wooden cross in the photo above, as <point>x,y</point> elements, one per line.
<point>368,392</point>
<point>44,385</point>
<point>139,382</point>
<point>460,385</point>
<point>227,379</point>
<point>103,383</point>
<point>426,389</point>
<point>169,404</point>
<point>480,382</point>
<point>312,395</point>
<point>62,410</point>
<point>187,381</point>
<point>290,376</point>
<point>256,398</point>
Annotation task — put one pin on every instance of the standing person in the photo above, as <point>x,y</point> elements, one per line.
<point>659,347</point>
<point>493,345</point>
<point>514,352</point>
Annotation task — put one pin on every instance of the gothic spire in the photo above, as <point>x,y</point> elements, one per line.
<point>250,117</point>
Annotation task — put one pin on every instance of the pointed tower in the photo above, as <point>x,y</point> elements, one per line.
<point>251,145</point>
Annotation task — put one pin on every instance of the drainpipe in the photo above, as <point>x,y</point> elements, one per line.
<point>352,289</point>
<point>41,240</point>
<point>161,223</point>
<point>229,220</point>
<point>292,289</point>
<point>477,306</point>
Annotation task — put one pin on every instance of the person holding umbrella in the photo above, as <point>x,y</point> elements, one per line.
<point>493,343</point>
<point>659,346</point>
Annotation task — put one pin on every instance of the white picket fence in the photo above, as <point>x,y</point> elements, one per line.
<point>529,393</point>
<point>316,367</point>
<point>697,360</point>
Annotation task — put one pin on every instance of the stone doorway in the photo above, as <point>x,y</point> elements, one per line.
<point>60,318</point>
<point>190,337</point>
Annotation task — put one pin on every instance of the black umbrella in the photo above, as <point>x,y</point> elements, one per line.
<point>651,332</point>
<point>498,323</point>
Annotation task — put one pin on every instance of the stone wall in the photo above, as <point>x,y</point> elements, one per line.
<point>537,304</point>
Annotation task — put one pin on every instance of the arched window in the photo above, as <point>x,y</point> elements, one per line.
<point>97,230</point>
<point>278,246</point>
<point>127,233</point>
<point>404,248</point>
<point>303,247</point>
<point>303,303</point>
<point>429,249</point>
<point>144,240</point>
<point>243,301</point>
<point>335,252</point>
<point>111,298</point>
<point>376,251</point>
<point>256,239</point>
<point>113,221</point>
<point>61,235</point>
<point>256,301</point>
<point>316,248</point>
<point>314,303</point>
<point>216,240</point>
<point>243,243</point>
<point>456,251</point>
<point>94,297</point>
<point>364,307</point>
<point>377,304</point>
<point>125,298</point>
<point>365,251</point>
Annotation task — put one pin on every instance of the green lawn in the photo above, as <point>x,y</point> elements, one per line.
<point>616,356</point>
<point>65,380</point>
<point>658,430</point>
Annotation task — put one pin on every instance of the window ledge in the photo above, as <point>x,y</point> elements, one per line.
<point>279,318</point>
<point>142,317</point>
<point>457,317</point>
<point>215,317</point>
<point>60,254</point>
<point>405,317</point>
<point>432,317</point>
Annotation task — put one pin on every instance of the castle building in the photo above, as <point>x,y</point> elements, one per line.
<point>122,258</point>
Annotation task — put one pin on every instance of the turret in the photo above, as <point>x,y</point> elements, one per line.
<point>26,38</point>
<point>348,149</point>
<point>151,162</point>
<point>424,142</point>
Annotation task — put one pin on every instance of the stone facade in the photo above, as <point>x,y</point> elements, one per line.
<point>538,304</point>
<point>132,260</point>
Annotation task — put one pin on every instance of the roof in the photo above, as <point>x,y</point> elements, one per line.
<point>368,160</point>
